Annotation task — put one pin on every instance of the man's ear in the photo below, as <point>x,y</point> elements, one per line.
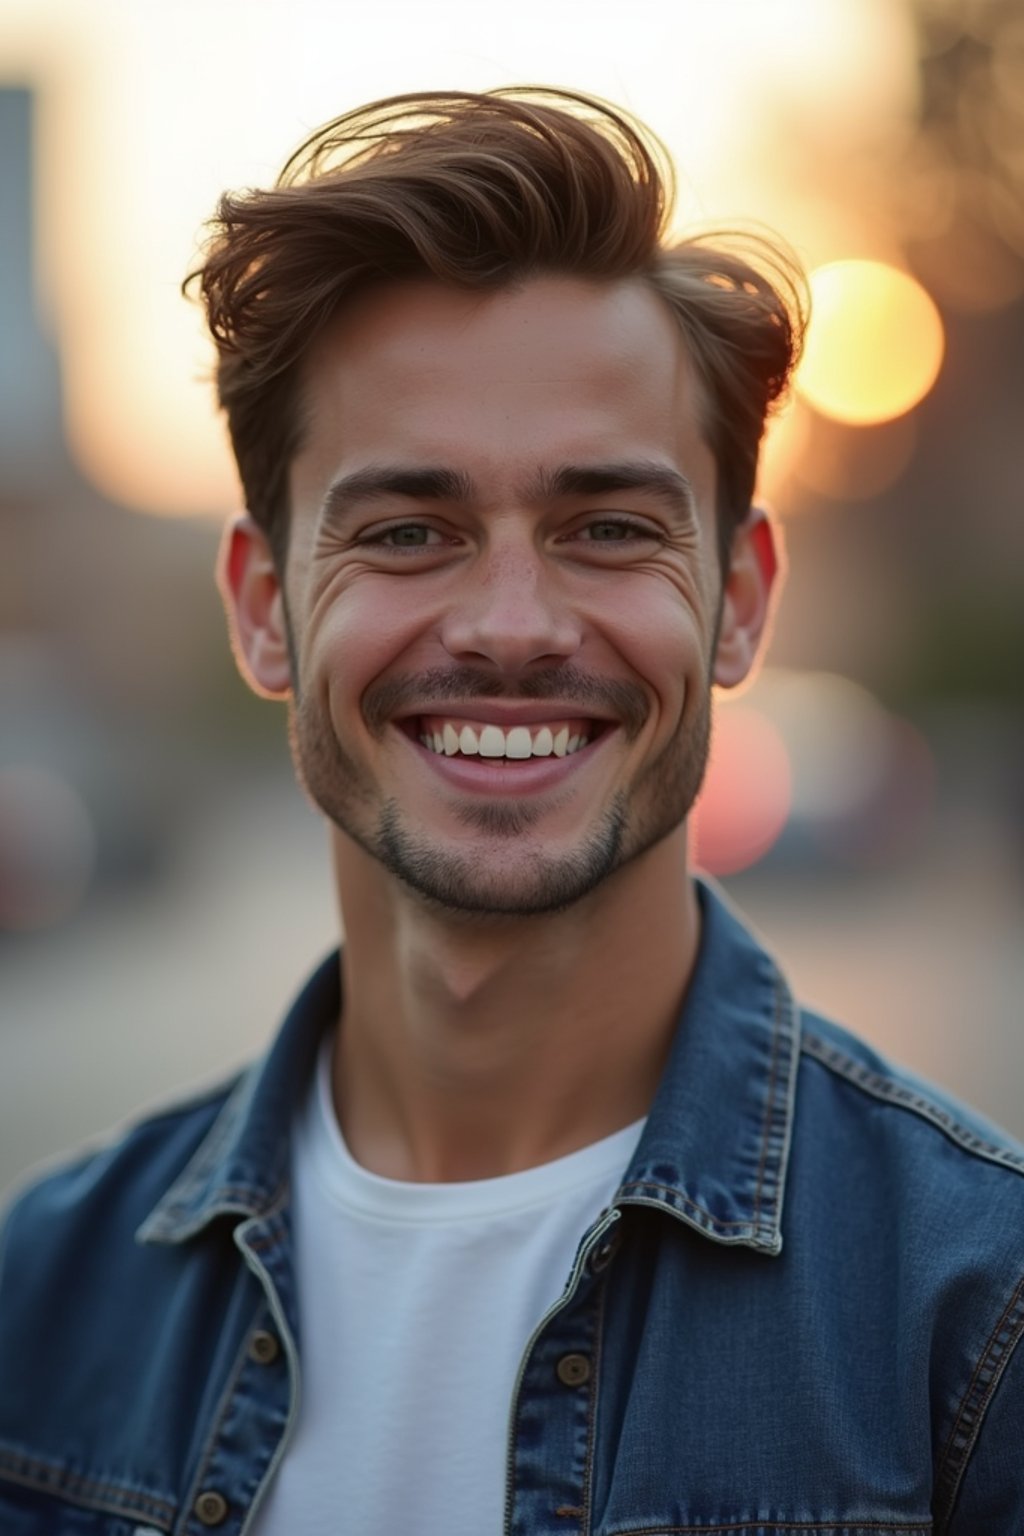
<point>251,591</point>
<point>754,574</point>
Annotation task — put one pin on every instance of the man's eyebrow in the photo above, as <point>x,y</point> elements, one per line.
<point>427,483</point>
<point>378,481</point>
<point>668,485</point>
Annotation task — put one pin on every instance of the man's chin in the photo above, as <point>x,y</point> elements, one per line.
<point>511,877</point>
<point>460,903</point>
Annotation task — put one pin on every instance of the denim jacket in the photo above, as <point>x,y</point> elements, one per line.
<point>800,1313</point>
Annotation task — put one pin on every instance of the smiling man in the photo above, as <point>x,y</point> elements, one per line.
<point>503,570</point>
<point>548,1210</point>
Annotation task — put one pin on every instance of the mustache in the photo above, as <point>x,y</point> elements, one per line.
<point>623,700</point>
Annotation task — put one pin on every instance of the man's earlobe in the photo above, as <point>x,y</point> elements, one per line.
<point>254,603</point>
<point>753,577</point>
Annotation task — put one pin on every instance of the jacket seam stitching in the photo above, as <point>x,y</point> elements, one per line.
<point>770,1106</point>
<point>48,1477</point>
<point>225,1192</point>
<point>887,1090</point>
<point>966,1428</point>
<point>209,1153</point>
<point>274,1220</point>
<point>588,1464</point>
<point>762,1221</point>
<point>252,1204</point>
<point>832,1526</point>
<point>667,1189</point>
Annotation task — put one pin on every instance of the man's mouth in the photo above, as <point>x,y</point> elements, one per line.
<point>454,737</point>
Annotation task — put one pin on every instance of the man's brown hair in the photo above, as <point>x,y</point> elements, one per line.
<point>481,191</point>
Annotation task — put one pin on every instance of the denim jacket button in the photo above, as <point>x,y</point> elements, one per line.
<point>573,1370</point>
<point>263,1347</point>
<point>211,1508</point>
<point>603,1254</point>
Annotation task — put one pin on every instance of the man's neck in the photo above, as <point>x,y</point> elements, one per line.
<point>471,1049</point>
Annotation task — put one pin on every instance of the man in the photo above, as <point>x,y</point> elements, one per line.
<point>547,1210</point>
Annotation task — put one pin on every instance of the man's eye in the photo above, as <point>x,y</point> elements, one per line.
<point>405,536</point>
<point>615,530</point>
<point>609,532</point>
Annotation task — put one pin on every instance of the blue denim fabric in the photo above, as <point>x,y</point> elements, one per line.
<point>800,1313</point>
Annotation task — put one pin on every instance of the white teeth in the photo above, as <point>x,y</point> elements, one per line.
<point>492,741</point>
<point>518,743</point>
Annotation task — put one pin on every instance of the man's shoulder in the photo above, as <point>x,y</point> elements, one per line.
<point>855,1097</point>
<point>100,1324</point>
<point>219,1150</point>
<point>850,1059</point>
<point>113,1186</point>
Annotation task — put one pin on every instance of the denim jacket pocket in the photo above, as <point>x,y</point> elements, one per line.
<point>28,1508</point>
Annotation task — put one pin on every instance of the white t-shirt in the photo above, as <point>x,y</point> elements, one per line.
<point>416,1303</point>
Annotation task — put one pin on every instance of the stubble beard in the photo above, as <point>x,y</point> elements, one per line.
<point>510,878</point>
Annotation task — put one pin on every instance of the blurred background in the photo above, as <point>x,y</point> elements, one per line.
<point>163,887</point>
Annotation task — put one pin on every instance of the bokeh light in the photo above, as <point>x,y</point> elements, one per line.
<point>126,176</point>
<point>811,766</point>
<point>862,778</point>
<point>875,343</point>
<point>745,801</point>
<point>890,824</point>
<point>836,734</point>
<point>853,464</point>
<point>786,443</point>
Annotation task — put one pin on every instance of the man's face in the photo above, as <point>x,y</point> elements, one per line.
<point>502,586</point>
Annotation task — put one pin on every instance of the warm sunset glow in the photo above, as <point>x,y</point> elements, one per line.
<point>849,463</point>
<point>785,447</point>
<point>140,126</point>
<point>875,343</point>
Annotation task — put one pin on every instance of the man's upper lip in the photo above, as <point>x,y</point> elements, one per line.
<point>506,712</point>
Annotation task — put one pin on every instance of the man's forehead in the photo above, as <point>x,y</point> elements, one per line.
<point>504,387</point>
<point>550,321</point>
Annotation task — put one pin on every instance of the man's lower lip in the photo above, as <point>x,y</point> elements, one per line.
<point>507,776</point>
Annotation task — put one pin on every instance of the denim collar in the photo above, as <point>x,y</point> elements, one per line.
<point>716,1145</point>
<point>713,1153</point>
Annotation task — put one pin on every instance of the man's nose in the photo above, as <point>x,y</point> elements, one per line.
<point>511,611</point>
